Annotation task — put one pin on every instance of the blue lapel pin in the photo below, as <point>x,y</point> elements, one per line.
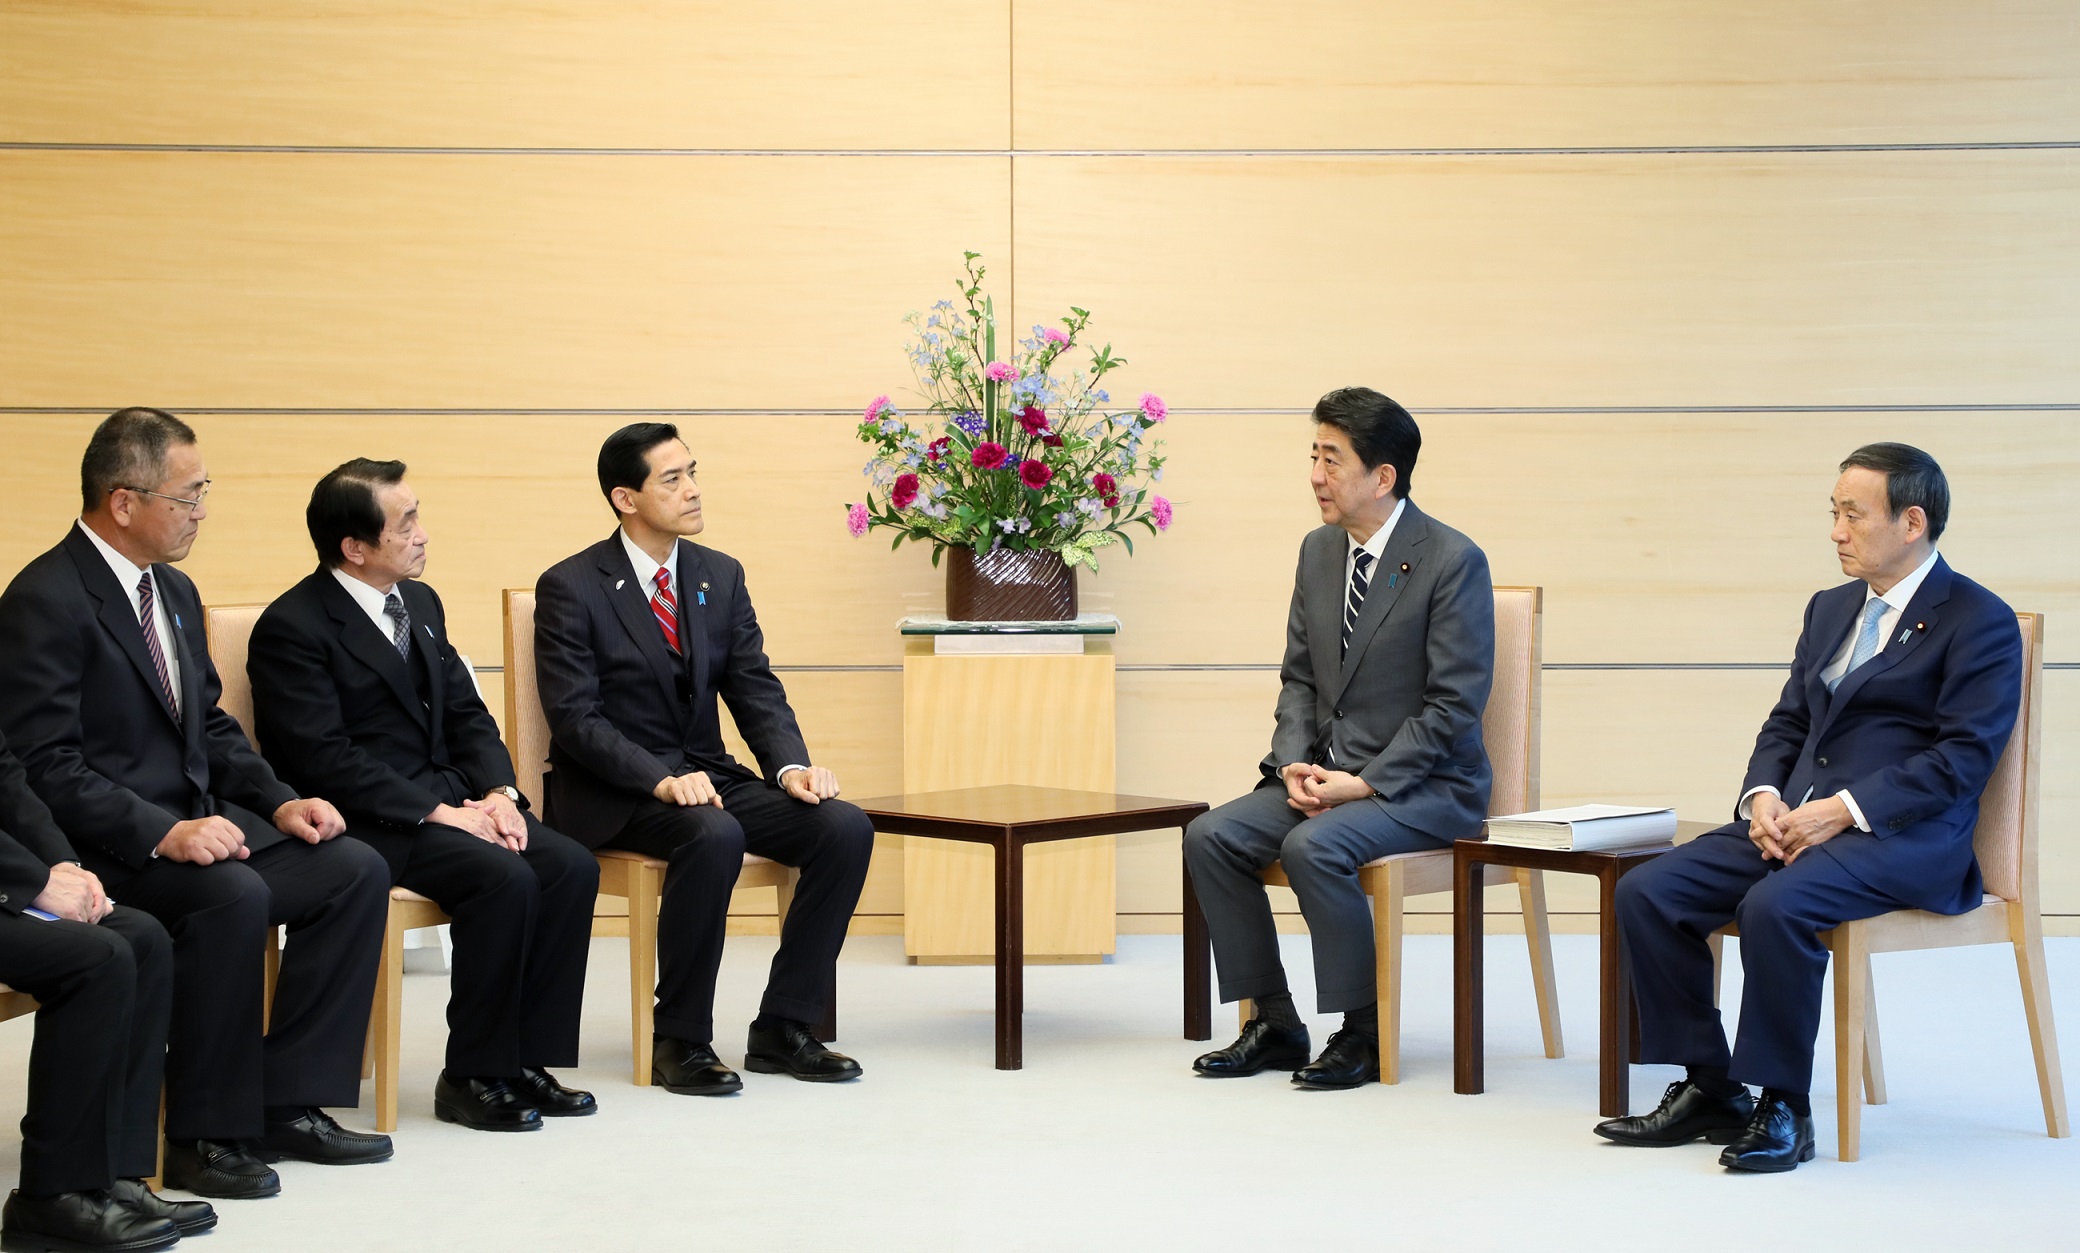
<point>1904,634</point>
<point>702,594</point>
<point>176,622</point>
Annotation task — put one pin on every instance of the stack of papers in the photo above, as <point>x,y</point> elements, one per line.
<point>1586,828</point>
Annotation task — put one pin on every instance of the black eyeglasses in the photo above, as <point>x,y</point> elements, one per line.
<point>192,505</point>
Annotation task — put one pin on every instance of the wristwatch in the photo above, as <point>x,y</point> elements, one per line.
<point>510,793</point>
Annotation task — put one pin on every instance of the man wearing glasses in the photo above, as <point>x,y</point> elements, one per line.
<point>110,700</point>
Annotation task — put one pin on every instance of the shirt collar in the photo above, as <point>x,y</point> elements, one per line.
<point>370,600</point>
<point>646,569</point>
<point>1903,591</point>
<point>1377,545</point>
<point>127,572</point>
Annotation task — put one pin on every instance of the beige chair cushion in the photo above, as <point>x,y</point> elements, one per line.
<point>2004,808</point>
<point>230,632</point>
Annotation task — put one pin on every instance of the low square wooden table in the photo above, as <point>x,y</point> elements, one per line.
<point>1007,817</point>
<point>1616,1015</point>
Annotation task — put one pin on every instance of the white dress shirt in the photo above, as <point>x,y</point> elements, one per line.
<point>371,601</point>
<point>646,569</point>
<point>1376,546</point>
<point>128,574</point>
<point>1895,604</point>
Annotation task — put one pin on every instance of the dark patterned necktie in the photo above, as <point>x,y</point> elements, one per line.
<point>148,622</point>
<point>401,634</point>
<point>1354,604</point>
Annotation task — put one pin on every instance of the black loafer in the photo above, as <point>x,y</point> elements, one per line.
<point>313,1136</point>
<point>1684,1114</point>
<point>790,1048</point>
<point>1348,1060</point>
<point>691,1069</point>
<point>483,1104</point>
<point>191,1217</point>
<point>221,1169</point>
<point>81,1220</point>
<point>1776,1140</point>
<point>1260,1047</point>
<point>540,1088</point>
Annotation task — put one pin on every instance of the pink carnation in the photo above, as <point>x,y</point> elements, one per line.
<point>874,408</point>
<point>904,493</point>
<point>1104,484</point>
<point>1000,372</point>
<point>1160,510</point>
<point>937,448</point>
<point>1035,474</point>
<point>1153,406</point>
<point>856,520</point>
<point>987,456</point>
<point>1034,419</point>
<point>1053,336</point>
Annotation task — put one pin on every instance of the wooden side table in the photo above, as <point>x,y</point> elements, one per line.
<point>1617,1017</point>
<point>1008,817</point>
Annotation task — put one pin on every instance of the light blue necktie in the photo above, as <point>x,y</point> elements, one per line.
<point>1866,641</point>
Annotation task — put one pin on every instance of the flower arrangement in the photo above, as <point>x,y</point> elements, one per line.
<point>1011,453</point>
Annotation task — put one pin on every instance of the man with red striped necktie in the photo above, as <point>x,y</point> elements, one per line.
<point>635,639</point>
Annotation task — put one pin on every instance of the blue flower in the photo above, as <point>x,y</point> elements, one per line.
<point>970,423</point>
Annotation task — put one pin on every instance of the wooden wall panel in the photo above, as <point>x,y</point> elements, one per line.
<point>250,280</point>
<point>506,73</point>
<point>1408,73</point>
<point>1872,278</point>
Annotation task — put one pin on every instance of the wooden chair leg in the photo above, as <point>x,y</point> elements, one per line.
<point>1389,894</point>
<point>158,1180</point>
<point>1538,935</point>
<point>270,974</point>
<point>643,889</point>
<point>1873,1052</point>
<point>2028,929</point>
<point>1244,1009</point>
<point>386,1022</point>
<point>1717,941</point>
<point>1852,955</point>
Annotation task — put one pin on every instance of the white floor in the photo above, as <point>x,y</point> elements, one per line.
<point>1105,1140</point>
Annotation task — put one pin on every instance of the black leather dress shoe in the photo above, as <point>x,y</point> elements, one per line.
<point>1776,1140</point>
<point>1684,1114</point>
<point>790,1048</point>
<point>540,1088</point>
<point>1349,1059</point>
<point>691,1069</point>
<point>192,1217</point>
<point>223,1169</point>
<point>483,1104</point>
<point>1260,1047</point>
<point>313,1137</point>
<point>80,1220</point>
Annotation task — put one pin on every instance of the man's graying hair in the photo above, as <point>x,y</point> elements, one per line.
<point>128,449</point>
<point>1912,478</point>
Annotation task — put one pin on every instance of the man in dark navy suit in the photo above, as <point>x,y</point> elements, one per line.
<point>635,638</point>
<point>1861,798</point>
<point>110,700</point>
<point>358,694</point>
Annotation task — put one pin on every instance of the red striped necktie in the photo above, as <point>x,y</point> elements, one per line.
<point>665,608</point>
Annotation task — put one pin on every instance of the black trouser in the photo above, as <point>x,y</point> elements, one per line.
<point>523,929</point>
<point>106,992</point>
<point>220,1074</point>
<point>831,844</point>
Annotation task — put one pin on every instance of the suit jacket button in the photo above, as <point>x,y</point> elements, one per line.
<point>1339,713</point>
<point>1821,762</point>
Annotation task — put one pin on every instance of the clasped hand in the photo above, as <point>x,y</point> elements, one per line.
<point>74,894</point>
<point>494,819</point>
<point>1784,833</point>
<point>1314,790</point>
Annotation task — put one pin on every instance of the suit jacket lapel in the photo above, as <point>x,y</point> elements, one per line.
<point>190,665</point>
<point>117,618</point>
<point>1914,623</point>
<point>426,653</point>
<point>1323,591</point>
<point>631,601</point>
<point>1384,588</point>
<point>359,635</point>
<point>693,611</point>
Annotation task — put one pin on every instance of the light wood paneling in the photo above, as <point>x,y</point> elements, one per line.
<point>252,280</point>
<point>506,73</point>
<point>1408,73</point>
<point>1875,278</point>
<point>976,720</point>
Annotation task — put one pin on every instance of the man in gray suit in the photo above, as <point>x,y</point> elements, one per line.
<point>1390,650</point>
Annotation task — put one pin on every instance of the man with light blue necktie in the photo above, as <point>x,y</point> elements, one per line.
<point>1861,798</point>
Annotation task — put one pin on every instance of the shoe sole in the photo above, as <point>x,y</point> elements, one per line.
<point>271,1156</point>
<point>696,1089</point>
<point>450,1116</point>
<point>26,1242</point>
<point>1283,1065</point>
<point>195,1227</point>
<point>1806,1154</point>
<point>1310,1085</point>
<point>1718,1136</point>
<point>587,1112</point>
<point>765,1066</point>
<point>182,1185</point>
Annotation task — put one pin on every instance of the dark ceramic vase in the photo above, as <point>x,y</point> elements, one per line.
<point>1007,586</point>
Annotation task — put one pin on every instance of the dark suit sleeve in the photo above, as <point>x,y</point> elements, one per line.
<point>1292,739</point>
<point>757,700</point>
<point>23,876</point>
<point>45,646</point>
<point>567,676</point>
<point>1975,711</point>
<point>1459,650</point>
<point>306,732</point>
<point>30,843</point>
<point>1784,731</point>
<point>473,740</point>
